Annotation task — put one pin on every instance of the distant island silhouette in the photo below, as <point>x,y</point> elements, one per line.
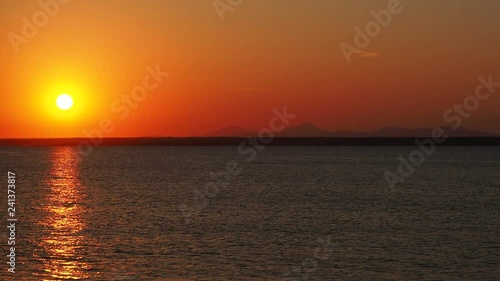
<point>302,135</point>
<point>236,141</point>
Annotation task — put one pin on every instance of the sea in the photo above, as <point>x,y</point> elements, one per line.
<point>271,213</point>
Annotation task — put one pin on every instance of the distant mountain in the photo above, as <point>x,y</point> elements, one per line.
<point>304,130</point>
<point>309,130</point>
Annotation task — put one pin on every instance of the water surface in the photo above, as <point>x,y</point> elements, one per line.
<point>293,213</point>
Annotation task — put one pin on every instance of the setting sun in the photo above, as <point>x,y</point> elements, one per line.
<point>64,102</point>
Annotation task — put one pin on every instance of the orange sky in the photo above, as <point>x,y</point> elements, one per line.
<point>233,72</point>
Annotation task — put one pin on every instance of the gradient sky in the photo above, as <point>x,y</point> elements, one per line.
<point>264,54</point>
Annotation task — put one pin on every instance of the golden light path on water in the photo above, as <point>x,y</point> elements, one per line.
<point>62,247</point>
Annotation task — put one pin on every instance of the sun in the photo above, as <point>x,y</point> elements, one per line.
<point>64,102</point>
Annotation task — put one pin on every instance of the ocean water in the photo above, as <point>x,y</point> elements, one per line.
<point>291,213</point>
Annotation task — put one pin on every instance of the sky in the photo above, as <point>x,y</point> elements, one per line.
<point>231,63</point>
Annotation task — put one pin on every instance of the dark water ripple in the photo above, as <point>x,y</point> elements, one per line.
<point>295,213</point>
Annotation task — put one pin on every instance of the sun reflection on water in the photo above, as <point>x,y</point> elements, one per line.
<point>63,245</point>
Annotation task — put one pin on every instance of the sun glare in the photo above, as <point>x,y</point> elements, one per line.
<point>64,102</point>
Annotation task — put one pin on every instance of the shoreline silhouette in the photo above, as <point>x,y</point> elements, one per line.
<point>235,141</point>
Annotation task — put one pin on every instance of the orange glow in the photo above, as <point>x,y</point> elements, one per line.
<point>62,250</point>
<point>233,73</point>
